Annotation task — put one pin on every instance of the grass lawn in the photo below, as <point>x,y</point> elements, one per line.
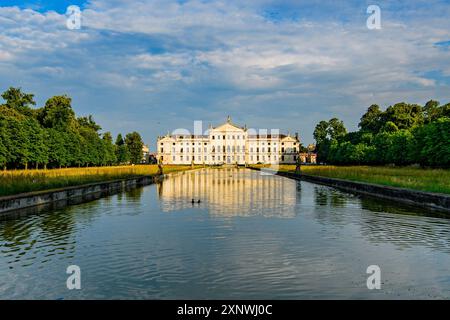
<point>19,181</point>
<point>431,180</point>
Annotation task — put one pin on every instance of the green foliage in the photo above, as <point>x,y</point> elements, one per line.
<point>371,120</point>
<point>53,137</point>
<point>134,145</point>
<point>19,101</point>
<point>122,154</point>
<point>403,134</point>
<point>57,113</point>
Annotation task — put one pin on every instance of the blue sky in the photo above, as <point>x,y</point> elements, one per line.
<point>155,66</point>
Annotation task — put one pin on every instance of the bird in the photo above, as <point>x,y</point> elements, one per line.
<point>198,201</point>
<point>192,201</point>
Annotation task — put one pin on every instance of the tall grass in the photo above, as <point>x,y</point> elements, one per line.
<point>19,181</point>
<point>431,180</point>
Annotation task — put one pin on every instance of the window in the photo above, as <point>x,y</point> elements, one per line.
<point>181,151</point>
<point>228,148</point>
<point>187,149</point>
<point>205,158</point>
<point>162,143</point>
<point>224,139</point>
<point>295,149</point>
<point>162,150</point>
<point>223,149</point>
<point>173,158</point>
<point>282,149</point>
<point>214,137</point>
<point>173,143</point>
<point>268,149</point>
<point>205,149</point>
<point>181,158</point>
<point>200,150</point>
<point>232,137</point>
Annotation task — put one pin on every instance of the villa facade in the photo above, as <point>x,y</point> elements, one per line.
<point>228,144</point>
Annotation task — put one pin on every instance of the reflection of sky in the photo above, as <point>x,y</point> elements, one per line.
<point>128,247</point>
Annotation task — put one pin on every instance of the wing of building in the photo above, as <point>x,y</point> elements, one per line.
<point>228,144</point>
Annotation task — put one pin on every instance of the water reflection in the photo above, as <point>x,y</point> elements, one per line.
<point>251,237</point>
<point>231,192</point>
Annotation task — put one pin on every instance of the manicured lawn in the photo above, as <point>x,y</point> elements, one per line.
<point>19,181</point>
<point>431,180</point>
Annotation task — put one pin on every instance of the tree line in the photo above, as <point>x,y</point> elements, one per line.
<point>403,134</point>
<point>53,137</point>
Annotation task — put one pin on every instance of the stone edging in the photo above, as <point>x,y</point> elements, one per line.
<point>37,198</point>
<point>430,200</point>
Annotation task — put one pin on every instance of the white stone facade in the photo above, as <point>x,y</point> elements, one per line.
<point>228,144</point>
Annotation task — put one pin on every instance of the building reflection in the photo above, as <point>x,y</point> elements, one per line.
<point>230,192</point>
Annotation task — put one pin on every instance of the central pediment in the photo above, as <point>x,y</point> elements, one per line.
<point>228,126</point>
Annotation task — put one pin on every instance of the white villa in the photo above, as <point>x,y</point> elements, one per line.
<point>228,144</point>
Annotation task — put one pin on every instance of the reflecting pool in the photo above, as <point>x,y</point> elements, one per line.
<point>251,236</point>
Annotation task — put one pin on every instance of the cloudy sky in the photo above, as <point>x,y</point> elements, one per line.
<point>158,65</point>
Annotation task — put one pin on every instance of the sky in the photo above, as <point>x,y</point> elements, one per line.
<point>157,65</point>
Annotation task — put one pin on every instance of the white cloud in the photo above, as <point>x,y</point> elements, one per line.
<point>218,54</point>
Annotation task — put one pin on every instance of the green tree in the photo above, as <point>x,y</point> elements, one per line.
<point>321,132</point>
<point>3,143</point>
<point>134,145</point>
<point>122,154</point>
<point>336,129</point>
<point>371,120</point>
<point>18,100</point>
<point>37,148</point>
<point>431,111</point>
<point>110,155</point>
<point>58,113</point>
<point>403,115</point>
<point>89,122</point>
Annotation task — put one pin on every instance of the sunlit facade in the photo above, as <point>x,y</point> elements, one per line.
<point>228,144</point>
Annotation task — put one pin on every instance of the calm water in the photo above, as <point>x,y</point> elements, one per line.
<point>252,236</point>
